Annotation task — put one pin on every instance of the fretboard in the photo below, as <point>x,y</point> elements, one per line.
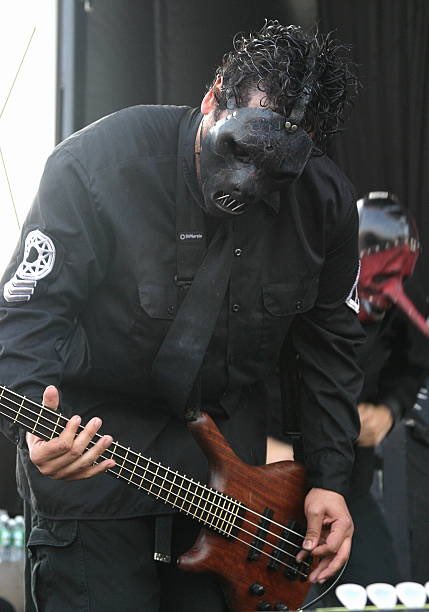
<point>204,504</point>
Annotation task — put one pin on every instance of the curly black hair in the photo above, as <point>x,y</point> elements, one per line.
<point>288,63</point>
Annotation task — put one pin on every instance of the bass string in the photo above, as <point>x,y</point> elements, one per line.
<point>222,497</point>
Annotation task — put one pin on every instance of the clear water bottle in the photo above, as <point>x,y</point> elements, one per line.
<point>5,536</point>
<point>17,539</point>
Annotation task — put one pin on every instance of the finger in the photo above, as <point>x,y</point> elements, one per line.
<point>51,397</point>
<point>75,460</point>
<point>84,437</point>
<point>84,466</point>
<point>331,565</point>
<point>94,470</point>
<point>42,451</point>
<point>51,400</point>
<point>73,446</point>
<point>314,528</point>
<point>322,565</point>
<point>339,530</point>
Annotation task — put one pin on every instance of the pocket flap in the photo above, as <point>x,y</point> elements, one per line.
<point>158,300</point>
<point>282,299</point>
<point>58,534</point>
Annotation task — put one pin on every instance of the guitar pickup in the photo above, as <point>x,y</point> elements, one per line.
<point>280,550</point>
<point>295,535</point>
<point>261,535</point>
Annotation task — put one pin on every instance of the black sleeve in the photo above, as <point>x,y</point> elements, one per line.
<point>407,367</point>
<point>34,328</point>
<point>326,339</point>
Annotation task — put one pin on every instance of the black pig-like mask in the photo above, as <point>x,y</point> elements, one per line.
<point>247,157</point>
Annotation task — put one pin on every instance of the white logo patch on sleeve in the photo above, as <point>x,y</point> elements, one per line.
<point>352,300</point>
<point>38,261</point>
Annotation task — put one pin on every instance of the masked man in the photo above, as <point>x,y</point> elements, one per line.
<point>166,256</point>
<point>395,360</point>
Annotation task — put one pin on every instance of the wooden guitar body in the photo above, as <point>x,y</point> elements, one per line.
<point>256,565</point>
<point>253,517</point>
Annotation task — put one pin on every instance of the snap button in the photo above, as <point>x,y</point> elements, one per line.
<point>238,252</point>
<point>299,305</point>
<point>235,307</point>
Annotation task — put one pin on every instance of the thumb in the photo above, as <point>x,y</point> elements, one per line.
<point>51,397</point>
<point>314,528</point>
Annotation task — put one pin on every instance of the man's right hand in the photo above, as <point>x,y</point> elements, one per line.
<point>66,457</point>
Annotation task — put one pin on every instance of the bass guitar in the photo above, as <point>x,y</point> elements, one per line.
<point>252,518</point>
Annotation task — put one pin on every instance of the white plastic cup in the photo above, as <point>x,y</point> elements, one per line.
<point>382,595</point>
<point>411,594</point>
<point>352,596</point>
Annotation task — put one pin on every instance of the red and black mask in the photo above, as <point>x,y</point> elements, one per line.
<point>389,249</point>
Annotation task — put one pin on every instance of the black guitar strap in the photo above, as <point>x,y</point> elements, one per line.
<point>203,277</point>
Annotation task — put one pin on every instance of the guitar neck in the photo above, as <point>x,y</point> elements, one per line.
<point>202,503</point>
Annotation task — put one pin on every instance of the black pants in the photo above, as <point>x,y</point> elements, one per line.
<point>106,566</point>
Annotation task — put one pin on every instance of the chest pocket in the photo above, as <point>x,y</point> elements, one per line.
<point>156,308</point>
<point>158,300</point>
<point>286,299</point>
<point>281,302</point>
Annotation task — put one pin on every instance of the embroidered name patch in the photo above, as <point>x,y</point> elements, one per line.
<point>191,236</point>
<point>37,263</point>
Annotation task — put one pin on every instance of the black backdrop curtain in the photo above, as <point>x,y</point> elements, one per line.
<point>165,51</point>
<point>385,145</point>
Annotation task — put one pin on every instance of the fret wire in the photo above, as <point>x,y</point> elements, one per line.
<point>184,498</point>
<point>212,513</point>
<point>130,479</point>
<point>123,463</point>
<point>224,520</point>
<point>153,479</point>
<point>204,509</point>
<point>112,451</point>
<point>198,504</point>
<point>55,427</point>
<point>191,503</point>
<point>179,488</point>
<point>171,486</point>
<point>144,473</point>
<point>19,409</point>
<point>216,516</point>
<point>237,509</point>
<point>163,479</point>
<point>35,424</point>
<point>117,444</point>
<point>222,513</point>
